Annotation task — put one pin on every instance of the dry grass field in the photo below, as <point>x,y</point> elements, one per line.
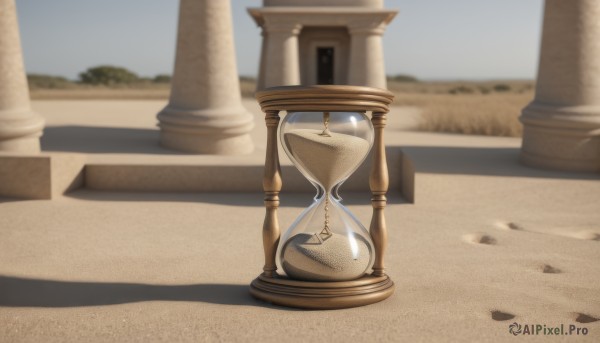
<point>490,108</point>
<point>101,93</point>
<point>136,91</point>
<point>478,108</point>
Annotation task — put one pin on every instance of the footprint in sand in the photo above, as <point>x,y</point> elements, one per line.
<point>501,316</point>
<point>479,238</point>
<point>508,226</point>
<point>584,318</point>
<point>587,235</point>
<point>548,269</point>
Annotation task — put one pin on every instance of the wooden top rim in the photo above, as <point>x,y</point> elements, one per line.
<point>324,98</point>
<point>324,89</point>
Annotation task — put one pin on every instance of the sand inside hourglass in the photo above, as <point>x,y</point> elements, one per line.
<point>325,255</point>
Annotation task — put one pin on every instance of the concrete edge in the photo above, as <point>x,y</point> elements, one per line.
<point>45,176</point>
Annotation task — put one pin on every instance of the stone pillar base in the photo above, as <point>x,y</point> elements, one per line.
<point>24,145</point>
<point>221,131</point>
<point>20,131</point>
<point>205,144</point>
<point>566,138</point>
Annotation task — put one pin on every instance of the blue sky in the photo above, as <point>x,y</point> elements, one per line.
<point>430,39</point>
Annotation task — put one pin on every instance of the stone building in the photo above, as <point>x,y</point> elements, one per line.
<point>322,42</point>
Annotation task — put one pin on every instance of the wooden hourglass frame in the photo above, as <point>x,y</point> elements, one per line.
<point>368,289</point>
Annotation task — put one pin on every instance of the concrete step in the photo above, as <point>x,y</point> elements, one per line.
<point>50,175</point>
<point>220,177</point>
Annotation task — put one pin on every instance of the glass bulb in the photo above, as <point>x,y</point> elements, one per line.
<point>326,242</point>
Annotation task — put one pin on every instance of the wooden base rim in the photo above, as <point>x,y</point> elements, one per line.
<point>322,295</point>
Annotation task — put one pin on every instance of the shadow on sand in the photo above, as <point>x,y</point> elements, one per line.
<point>24,292</point>
<point>95,140</point>
<point>296,200</point>
<point>480,161</point>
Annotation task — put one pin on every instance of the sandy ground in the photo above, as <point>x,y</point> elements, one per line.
<point>487,243</point>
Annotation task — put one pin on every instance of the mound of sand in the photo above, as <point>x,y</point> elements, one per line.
<point>336,258</point>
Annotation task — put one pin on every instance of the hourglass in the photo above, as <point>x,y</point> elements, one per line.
<point>329,259</point>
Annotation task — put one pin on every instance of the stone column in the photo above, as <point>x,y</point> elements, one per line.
<point>282,67</point>
<point>262,68</point>
<point>205,113</point>
<point>366,67</point>
<point>562,124</point>
<point>20,127</point>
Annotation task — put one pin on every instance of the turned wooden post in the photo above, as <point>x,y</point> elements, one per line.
<point>271,186</point>
<point>379,181</point>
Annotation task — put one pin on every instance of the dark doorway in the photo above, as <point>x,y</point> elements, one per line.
<point>325,66</point>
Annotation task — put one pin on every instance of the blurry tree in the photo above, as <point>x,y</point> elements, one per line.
<point>36,81</point>
<point>162,78</point>
<point>403,78</point>
<point>501,87</point>
<point>462,89</point>
<point>107,75</point>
